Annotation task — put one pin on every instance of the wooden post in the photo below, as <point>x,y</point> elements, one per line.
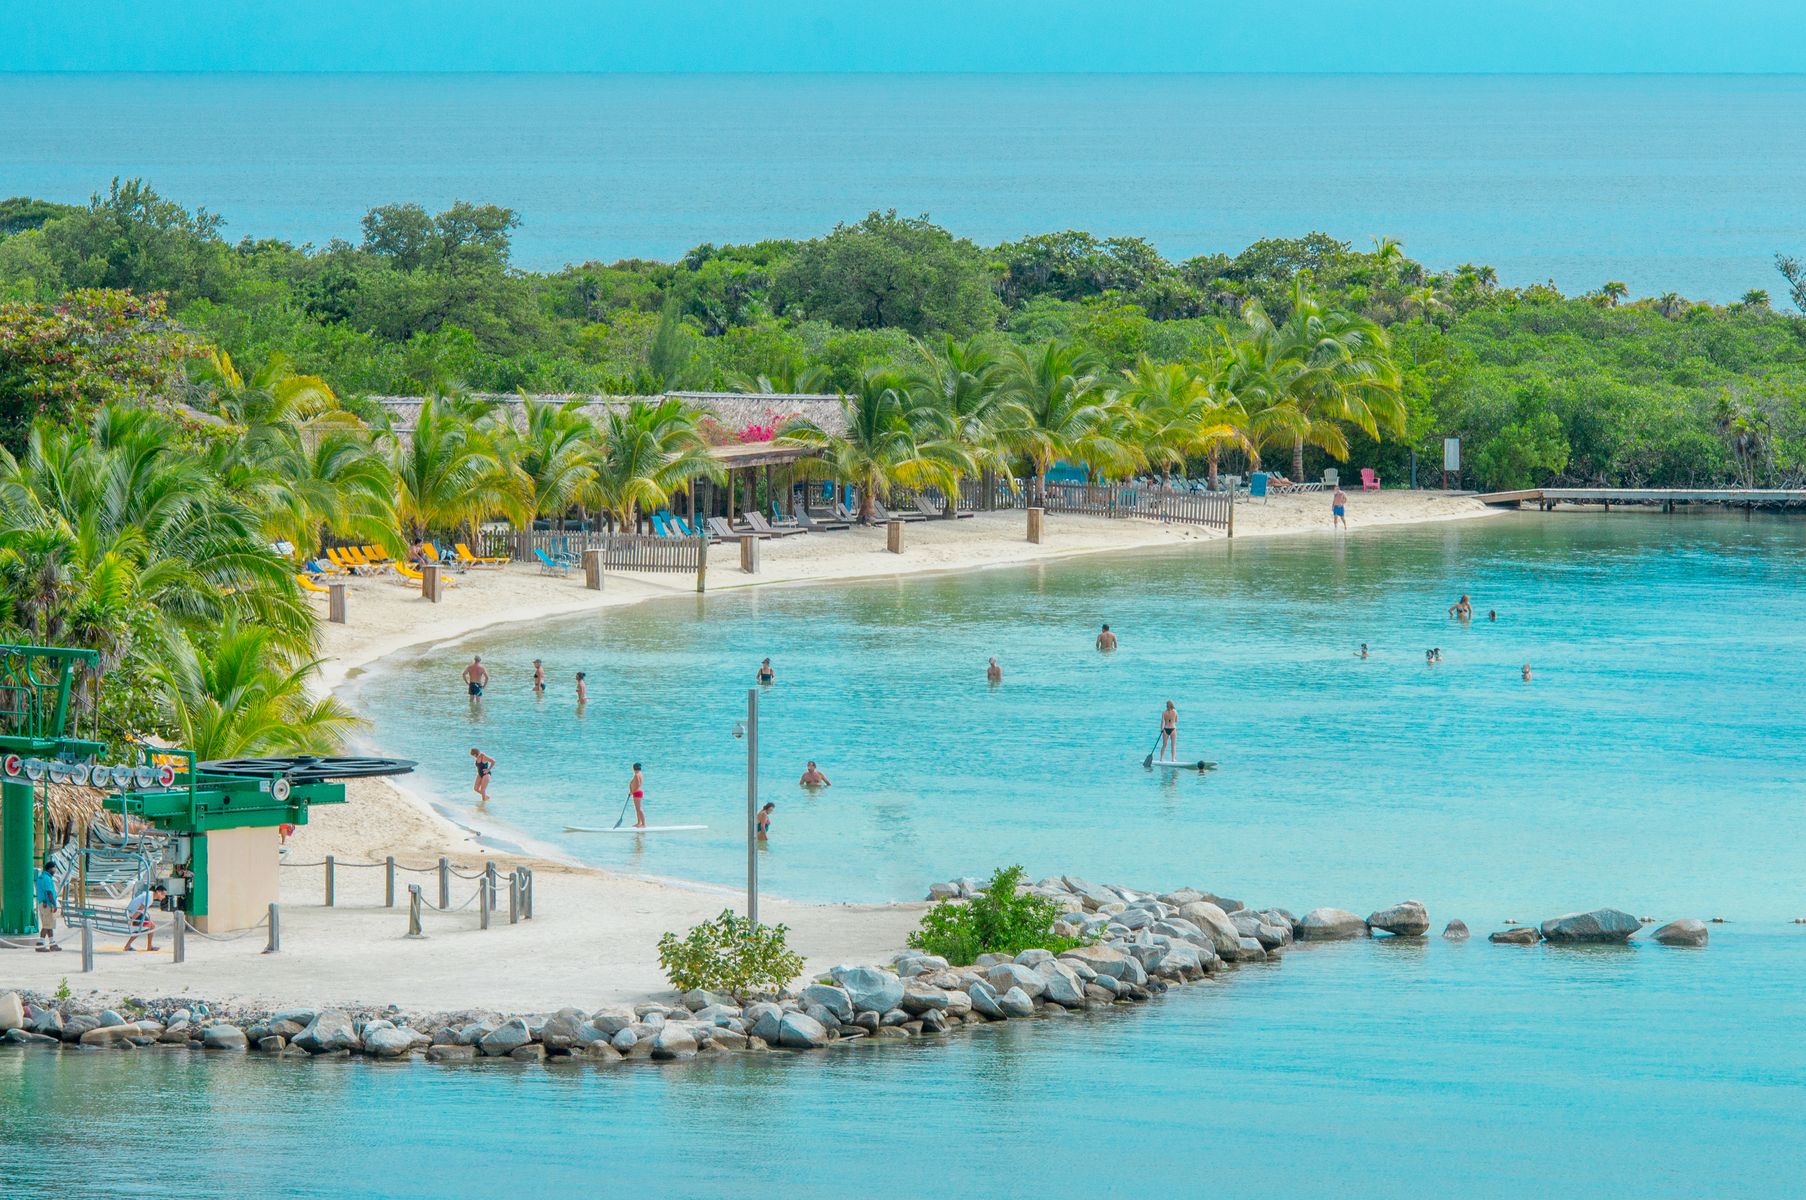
<point>702,564</point>
<point>414,930</point>
<point>444,882</point>
<point>87,947</point>
<point>749,555</point>
<point>335,603</point>
<point>1232,514</point>
<point>329,865</point>
<point>389,882</point>
<point>179,936</point>
<point>514,897</point>
<point>592,569</point>
<point>430,581</point>
<point>1034,524</point>
<point>893,537</point>
<point>274,945</point>
<point>527,897</point>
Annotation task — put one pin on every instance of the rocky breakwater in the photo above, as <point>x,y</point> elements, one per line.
<point>1600,927</point>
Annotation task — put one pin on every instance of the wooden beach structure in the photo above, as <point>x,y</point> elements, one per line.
<point>1547,499</point>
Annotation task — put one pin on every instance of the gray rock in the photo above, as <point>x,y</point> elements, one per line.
<point>1522,935</point>
<point>49,1021</point>
<point>934,1021</point>
<point>717,1015</point>
<point>763,1020</point>
<point>1005,976</point>
<point>943,891</point>
<point>562,1030</point>
<point>441,1052</point>
<point>624,1040</point>
<point>1329,925</point>
<point>697,999</point>
<point>919,998</point>
<point>271,1044</point>
<point>1223,902</point>
<point>1104,984</point>
<point>506,1038</point>
<point>1456,931</point>
<point>388,1043</point>
<point>958,1002</point>
<point>329,1032</point>
<point>110,1019</point>
<point>799,1031</point>
<point>1249,950</point>
<point>984,1000</point>
<point>1180,898</point>
<point>1015,1003</point>
<point>301,1017</point>
<point>1684,932</point>
<point>727,1039</point>
<point>114,1035</point>
<point>1033,958</point>
<point>531,1052</point>
<point>673,1041</point>
<point>1101,960</point>
<point>1209,916</point>
<point>177,1033</point>
<point>12,1012</point>
<point>915,962</point>
<point>223,1037</point>
<point>612,1020</point>
<point>1601,926</point>
<point>1063,986</point>
<point>24,1037</point>
<point>895,1017</point>
<point>1408,918</point>
<point>869,988</point>
<point>1134,918</point>
<point>835,999</point>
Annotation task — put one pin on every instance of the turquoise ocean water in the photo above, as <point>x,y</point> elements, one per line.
<point>1669,183</point>
<point>1652,763</point>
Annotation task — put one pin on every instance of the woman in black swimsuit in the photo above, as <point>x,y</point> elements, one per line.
<point>484,765</point>
<point>766,674</point>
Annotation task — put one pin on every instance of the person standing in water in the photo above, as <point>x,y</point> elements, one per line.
<point>1526,672</point>
<point>582,690</point>
<point>1462,609</point>
<point>763,823</point>
<point>485,765</point>
<point>766,673</point>
<point>476,675</point>
<point>1106,641</point>
<point>994,673</point>
<point>813,778</point>
<point>636,791</point>
<point>539,678</point>
<point>1338,508</point>
<point>1169,732</point>
<point>1362,652</point>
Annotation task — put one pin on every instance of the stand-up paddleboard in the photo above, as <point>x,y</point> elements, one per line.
<point>631,829</point>
<point>1150,762</point>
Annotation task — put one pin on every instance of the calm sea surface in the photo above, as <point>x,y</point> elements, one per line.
<point>1669,183</point>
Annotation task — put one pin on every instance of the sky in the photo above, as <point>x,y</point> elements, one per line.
<point>1508,36</point>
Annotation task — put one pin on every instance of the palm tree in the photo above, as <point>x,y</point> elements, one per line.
<point>891,438</point>
<point>1670,304</point>
<point>1180,411</point>
<point>234,698</point>
<point>959,386</point>
<point>447,473</point>
<point>1388,255</point>
<point>1755,298</point>
<point>1612,292</point>
<point>550,457</point>
<point>273,395</point>
<point>1424,301</point>
<point>339,484</point>
<point>644,454</point>
<point>1055,407</point>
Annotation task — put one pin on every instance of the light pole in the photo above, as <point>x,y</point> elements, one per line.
<point>751,730</point>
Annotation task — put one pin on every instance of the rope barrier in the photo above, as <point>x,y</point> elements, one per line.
<point>220,937</point>
<point>432,870</point>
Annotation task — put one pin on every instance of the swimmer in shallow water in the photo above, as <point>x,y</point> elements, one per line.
<point>1362,652</point>
<point>766,673</point>
<point>813,778</point>
<point>994,673</point>
<point>1106,640</point>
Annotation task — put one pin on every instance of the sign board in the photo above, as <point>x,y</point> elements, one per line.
<point>1451,454</point>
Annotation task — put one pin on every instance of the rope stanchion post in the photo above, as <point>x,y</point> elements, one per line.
<point>514,897</point>
<point>275,942</point>
<point>87,948</point>
<point>179,938</point>
<point>444,883</point>
<point>414,929</point>
<point>329,866</point>
<point>490,874</point>
<point>528,913</point>
<point>485,902</point>
<point>389,882</point>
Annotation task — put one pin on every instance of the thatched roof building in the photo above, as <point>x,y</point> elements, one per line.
<point>734,411</point>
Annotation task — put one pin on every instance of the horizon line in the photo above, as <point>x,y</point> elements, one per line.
<point>927,72</point>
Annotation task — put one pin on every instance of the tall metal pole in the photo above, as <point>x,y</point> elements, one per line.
<point>752,805</point>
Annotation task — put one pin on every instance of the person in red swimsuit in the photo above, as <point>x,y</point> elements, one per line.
<point>636,788</point>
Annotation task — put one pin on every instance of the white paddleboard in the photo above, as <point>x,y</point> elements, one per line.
<point>631,829</point>
<point>1199,765</point>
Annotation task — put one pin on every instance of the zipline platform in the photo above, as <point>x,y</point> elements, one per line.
<point>1548,498</point>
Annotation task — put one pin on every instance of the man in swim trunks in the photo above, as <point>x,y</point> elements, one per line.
<point>636,791</point>
<point>1338,507</point>
<point>1106,640</point>
<point>813,778</point>
<point>1169,732</point>
<point>475,676</point>
<point>766,674</point>
<point>485,764</point>
<point>994,673</point>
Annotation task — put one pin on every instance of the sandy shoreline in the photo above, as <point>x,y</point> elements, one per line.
<point>592,940</point>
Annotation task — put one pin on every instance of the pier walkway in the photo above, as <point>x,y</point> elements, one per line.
<point>1548,498</point>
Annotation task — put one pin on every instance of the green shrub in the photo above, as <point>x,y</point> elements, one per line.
<point>998,922</point>
<point>730,954</point>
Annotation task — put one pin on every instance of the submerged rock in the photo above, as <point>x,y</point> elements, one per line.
<point>1408,918</point>
<point>1684,932</point>
<point>1329,925</point>
<point>1522,935</point>
<point>1455,931</point>
<point>1601,926</point>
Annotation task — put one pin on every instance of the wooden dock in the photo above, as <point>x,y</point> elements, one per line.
<point>1667,498</point>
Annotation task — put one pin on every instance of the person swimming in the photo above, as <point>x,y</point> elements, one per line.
<point>766,674</point>
<point>813,778</point>
<point>1362,652</point>
<point>994,673</point>
<point>1526,672</point>
<point>1106,640</point>
<point>539,678</point>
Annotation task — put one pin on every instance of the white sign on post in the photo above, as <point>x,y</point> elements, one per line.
<point>1451,454</point>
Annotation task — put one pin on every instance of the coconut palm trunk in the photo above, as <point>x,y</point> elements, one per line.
<point>1297,459</point>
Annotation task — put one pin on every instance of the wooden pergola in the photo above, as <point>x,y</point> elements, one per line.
<point>743,464</point>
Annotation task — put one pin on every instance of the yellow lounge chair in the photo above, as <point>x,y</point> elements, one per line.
<point>432,552</point>
<point>477,560</point>
<point>376,556</point>
<point>343,560</point>
<point>412,576</point>
<point>308,585</point>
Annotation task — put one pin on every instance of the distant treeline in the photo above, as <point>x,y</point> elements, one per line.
<point>1541,386</point>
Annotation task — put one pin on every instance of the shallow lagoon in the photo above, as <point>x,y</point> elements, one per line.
<point>1651,763</point>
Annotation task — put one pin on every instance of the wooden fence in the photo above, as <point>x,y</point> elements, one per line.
<point>620,551</point>
<point>1214,510</point>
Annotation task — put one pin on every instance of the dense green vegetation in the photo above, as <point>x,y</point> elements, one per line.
<point>999,920</point>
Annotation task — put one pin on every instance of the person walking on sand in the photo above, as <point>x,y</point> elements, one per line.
<point>539,678</point>
<point>45,885</point>
<point>476,675</point>
<point>994,673</point>
<point>1338,508</point>
<point>636,791</point>
<point>813,778</point>
<point>763,823</point>
<point>1462,609</point>
<point>485,764</point>
<point>766,673</point>
<point>582,690</point>
<point>1169,732</point>
<point>1106,641</point>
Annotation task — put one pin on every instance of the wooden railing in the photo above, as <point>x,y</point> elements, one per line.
<point>1211,509</point>
<point>620,551</point>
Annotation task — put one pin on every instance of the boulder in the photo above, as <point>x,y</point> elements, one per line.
<point>441,1052</point>
<point>934,1021</point>
<point>717,1015</point>
<point>1005,976</point>
<point>24,1037</point>
<point>869,988</point>
<point>943,891</point>
<point>1601,926</point>
<point>1216,925</point>
<point>271,1044</point>
<point>120,1035</point>
<point>1033,958</point>
<point>562,1030</point>
<point>1329,925</point>
<point>388,1043</point>
<point>506,1038</point>
<point>1101,960</point>
<point>49,1021</point>
<point>799,1031</point>
<point>1408,918</point>
<point>1182,897</point>
<point>1684,932</point>
<point>763,1020</point>
<point>1521,935</point>
<point>984,1000</point>
<point>1184,960</point>
<point>624,1040</point>
<point>223,1037</point>
<point>1015,1003</point>
<point>1223,902</point>
<point>673,1041</point>
<point>328,1032</point>
<point>12,1012</point>
<point>919,998</point>
<point>917,963</point>
<point>1455,931</point>
<point>835,999</point>
<point>698,998</point>
<point>177,1033</point>
<point>531,1052</point>
<point>1063,986</point>
<point>612,1020</point>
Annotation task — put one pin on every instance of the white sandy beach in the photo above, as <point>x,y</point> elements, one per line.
<point>592,940</point>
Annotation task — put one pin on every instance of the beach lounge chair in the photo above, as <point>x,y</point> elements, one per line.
<point>778,519</point>
<point>759,524</point>
<point>1370,482</point>
<point>549,565</point>
<point>885,514</point>
<point>814,526</point>
<point>345,561</point>
<point>433,554</point>
<point>405,574</point>
<point>928,507</point>
<point>843,513</point>
<point>1331,477</point>
<point>727,533</point>
<point>315,566</point>
<point>375,557</point>
<point>478,560</point>
<point>686,529</point>
<point>308,585</point>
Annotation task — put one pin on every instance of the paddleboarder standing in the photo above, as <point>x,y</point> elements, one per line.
<point>1169,733</point>
<point>636,791</point>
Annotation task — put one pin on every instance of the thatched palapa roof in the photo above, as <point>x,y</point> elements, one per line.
<point>733,410</point>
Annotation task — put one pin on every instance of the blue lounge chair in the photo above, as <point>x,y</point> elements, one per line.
<point>549,565</point>
<point>682,527</point>
<point>660,528</point>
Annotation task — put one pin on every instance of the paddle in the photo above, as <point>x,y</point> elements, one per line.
<point>623,815</point>
<point>1148,762</point>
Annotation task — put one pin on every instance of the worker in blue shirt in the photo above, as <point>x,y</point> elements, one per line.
<point>47,909</point>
